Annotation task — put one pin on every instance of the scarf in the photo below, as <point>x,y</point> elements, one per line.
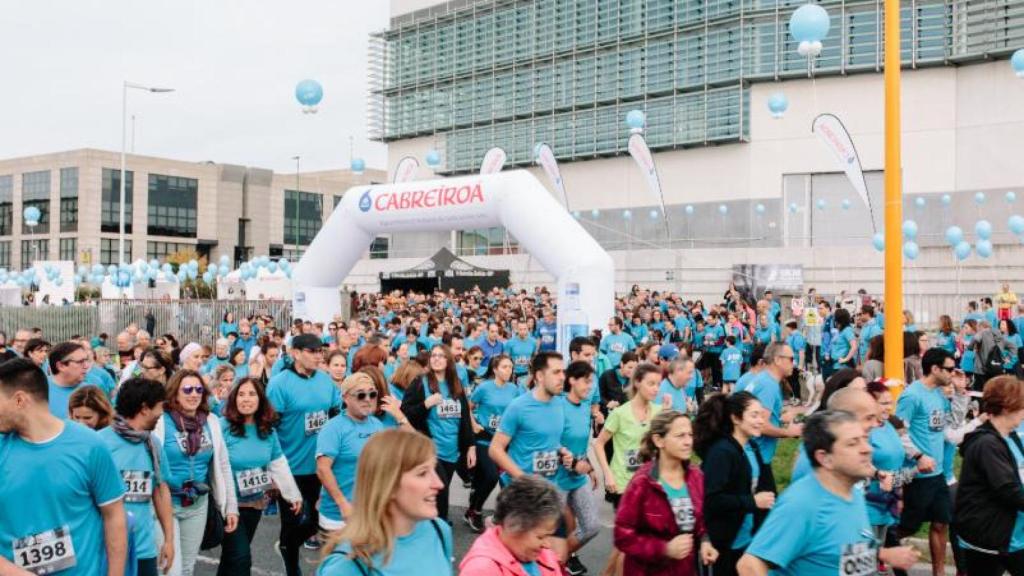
<point>192,426</point>
<point>134,436</point>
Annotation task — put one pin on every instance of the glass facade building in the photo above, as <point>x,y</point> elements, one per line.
<point>483,73</point>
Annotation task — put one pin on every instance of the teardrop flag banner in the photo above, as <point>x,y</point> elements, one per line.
<point>406,169</point>
<point>642,155</point>
<point>830,129</point>
<point>493,162</point>
<point>544,156</point>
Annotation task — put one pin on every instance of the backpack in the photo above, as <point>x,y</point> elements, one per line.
<point>993,362</point>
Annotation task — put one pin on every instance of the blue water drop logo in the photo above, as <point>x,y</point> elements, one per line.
<point>365,203</point>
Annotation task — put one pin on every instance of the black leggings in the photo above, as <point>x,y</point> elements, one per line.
<point>147,567</point>
<point>235,554</point>
<point>297,528</point>
<point>710,360</point>
<point>485,478</point>
<point>981,564</point>
<point>445,470</point>
<point>727,560</point>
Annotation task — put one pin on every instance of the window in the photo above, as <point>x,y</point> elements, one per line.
<point>32,250</point>
<point>5,254</point>
<point>6,206</point>
<point>161,250</point>
<point>111,201</point>
<point>35,191</point>
<point>172,206</point>
<point>68,200</point>
<point>379,248</point>
<point>108,250</point>
<point>303,216</point>
<point>337,200</point>
<point>69,249</point>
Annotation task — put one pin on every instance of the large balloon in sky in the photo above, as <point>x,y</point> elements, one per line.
<point>309,93</point>
<point>809,25</point>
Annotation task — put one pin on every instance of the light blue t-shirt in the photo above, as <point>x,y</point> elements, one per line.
<point>732,361</point>
<point>924,411</point>
<point>548,334</point>
<point>946,341</point>
<point>182,466</point>
<point>887,455</point>
<point>304,405</point>
<point>678,396</point>
<point>615,345</point>
<point>802,465</point>
<point>59,396</point>
<point>135,465</point>
<point>100,378</point>
<point>746,531</point>
<point>867,332</point>
<point>250,458</point>
<point>1017,538</point>
<point>813,532</point>
<point>419,552</point>
<point>520,351</point>
<point>841,345</point>
<point>53,490</point>
<point>767,391</point>
<point>575,438</point>
<point>343,440</point>
<point>443,422</point>
<point>535,428</point>
<point>798,344</point>
<point>489,403</point>
<point>531,568</point>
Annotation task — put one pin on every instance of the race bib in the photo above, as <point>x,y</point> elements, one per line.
<point>632,460</point>
<point>449,409</point>
<point>522,361</point>
<point>138,485</point>
<point>618,348</point>
<point>547,338</point>
<point>494,421</point>
<point>936,420</point>
<point>252,481</point>
<point>315,421</point>
<point>860,559</point>
<point>682,508</point>
<point>45,552</point>
<point>204,442</point>
<point>545,462</point>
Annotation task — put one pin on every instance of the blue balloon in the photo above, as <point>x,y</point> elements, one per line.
<point>910,229</point>
<point>636,119</point>
<point>182,275</point>
<point>433,158</point>
<point>778,104</point>
<point>983,248</point>
<point>97,269</point>
<point>979,198</point>
<point>878,241</point>
<point>193,264</point>
<point>1011,197</point>
<point>154,264</point>
<point>962,250</point>
<point>1016,224</point>
<point>947,199</point>
<point>309,92</point>
<point>32,215</point>
<point>954,235</point>
<point>224,260</point>
<point>284,263</point>
<point>112,270</point>
<point>911,250</point>
<point>920,201</point>
<point>1017,62</point>
<point>689,208</point>
<point>167,268</point>
<point>627,214</point>
<point>723,209</point>
<point>846,204</point>
<point>822,204</point>
<point>654,214</point>
<point>759,208</point>
<point>810,23</point>
<point>272,267</point>
<point>358,165</point>
<point>983,228</point>
<point>793,207</point>
<point>223,271</point>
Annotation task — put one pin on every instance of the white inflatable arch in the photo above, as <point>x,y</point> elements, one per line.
<point>513,199</point>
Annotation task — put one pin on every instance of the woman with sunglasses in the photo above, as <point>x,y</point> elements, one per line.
<point>198,460</point>
<point>339,445</point>
<point>389,408</point>
<point>258,464</point>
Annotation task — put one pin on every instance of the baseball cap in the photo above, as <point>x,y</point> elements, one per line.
<point>668,352</point>
<point>306,342</point>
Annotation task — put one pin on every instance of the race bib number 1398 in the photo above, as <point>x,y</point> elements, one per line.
<point>45,552</point>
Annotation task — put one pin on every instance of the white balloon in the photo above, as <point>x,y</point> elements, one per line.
<point>804,48</point>
<point>816,47</point>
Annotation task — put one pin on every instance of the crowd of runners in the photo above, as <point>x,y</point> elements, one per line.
<point>128,454</point>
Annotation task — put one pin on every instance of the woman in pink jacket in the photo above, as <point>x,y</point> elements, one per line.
<point>659,526</point>
<point>526,516</point>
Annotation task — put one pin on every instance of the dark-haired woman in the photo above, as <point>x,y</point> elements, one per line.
<point>739,488</point>
<point>659,526</point>
<point>843,346</point>
<point>257,463</point>
<point>887,455</point>
<point>437,406</point>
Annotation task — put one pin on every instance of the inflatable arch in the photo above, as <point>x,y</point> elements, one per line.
<point>513,199</point>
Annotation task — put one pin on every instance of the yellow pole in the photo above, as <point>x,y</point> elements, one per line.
<point>893,198</point>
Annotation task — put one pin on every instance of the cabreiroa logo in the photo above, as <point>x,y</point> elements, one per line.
<point>416,199</point>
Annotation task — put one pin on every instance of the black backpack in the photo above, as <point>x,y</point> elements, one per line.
<point>993,362</point>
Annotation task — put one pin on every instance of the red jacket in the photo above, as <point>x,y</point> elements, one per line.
<point>645,524</point>
<point>489,557</point>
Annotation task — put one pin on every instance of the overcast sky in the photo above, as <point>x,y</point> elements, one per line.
<point>234,65</point>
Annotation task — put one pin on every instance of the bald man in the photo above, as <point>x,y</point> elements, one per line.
<point>853,400</point>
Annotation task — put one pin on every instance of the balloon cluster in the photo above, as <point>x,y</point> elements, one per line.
<point>910,248</point>
<point>251,269</point>
<point>809,25</point>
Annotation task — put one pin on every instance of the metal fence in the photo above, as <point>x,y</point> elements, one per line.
<point>187,320</point>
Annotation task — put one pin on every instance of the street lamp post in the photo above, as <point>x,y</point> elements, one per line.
<point>124,143</point>
<point>296,255</point>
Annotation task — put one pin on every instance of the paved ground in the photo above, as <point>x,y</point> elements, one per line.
<point>268,563</point>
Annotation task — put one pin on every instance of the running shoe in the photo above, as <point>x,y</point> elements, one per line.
<point>312,543</point>
<point>474,520</point>
<point>574,567</point>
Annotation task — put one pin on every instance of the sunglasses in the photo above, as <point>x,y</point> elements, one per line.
<point>360,396</point>
<point>192,389</point>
